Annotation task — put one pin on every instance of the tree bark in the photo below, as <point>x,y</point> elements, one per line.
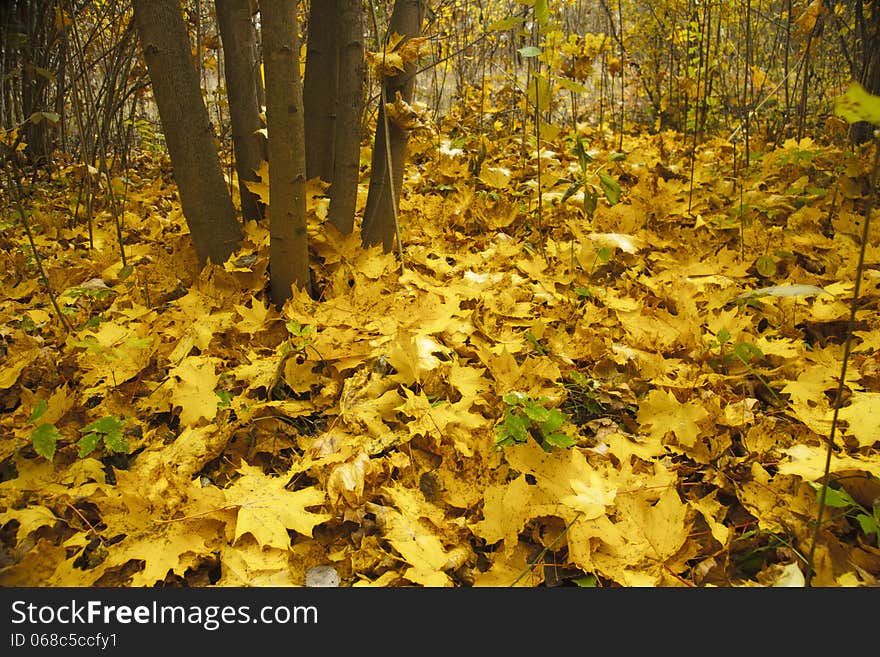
<point>869,66</point>
<point>237,33</point>
<point>189,135</point>
<point>347,141</point>
<point>288,249</point>
<point>384,191</point>
<point>320,89</point>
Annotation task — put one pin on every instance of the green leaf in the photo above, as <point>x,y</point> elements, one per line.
<point>559,440</point>
<point>514,429</point>
<point>529,51</point>
<point>555,420</point>
<point>88,443</point>
<point>125,272</point>
<point>587,581</point>
<point>105,425</point>
<point>583,292</point>
<point>542,12</point>
<point>858,105</point>
<point>225,397</point>
<point>116,442</point>
<point>573,188</point>
<point>837,498</point>
<point>766,266</point>
<point>39,409</point>
<point>609,187</point>
<point>590,200</point>
<point>869,525</point>
<point>536,412</point>
<point>584,158</point>
<point>746,351</point>
<point>45,438</point>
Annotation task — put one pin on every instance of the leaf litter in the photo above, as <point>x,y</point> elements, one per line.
<point>684,343</point>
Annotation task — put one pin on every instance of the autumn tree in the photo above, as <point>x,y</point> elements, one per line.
<point>241,70</point>
<point>288,251</point>
<point>389,144</point>
<point>334,102</point>
<point>207,206</point>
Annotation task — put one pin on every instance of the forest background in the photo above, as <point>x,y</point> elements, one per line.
<point>547,293</point>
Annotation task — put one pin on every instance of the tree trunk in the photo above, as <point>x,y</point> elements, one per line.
<point>869,66</point>
<point>320,89</point>
<point>189,135</point>
<point>347,141</point>
<point>288,249</point>
<point>384,191</point>
<point>237,33</point>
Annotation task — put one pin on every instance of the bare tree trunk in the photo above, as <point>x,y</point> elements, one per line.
<point>237,32</point>
<point>384,192</point>
<point>288,250</point>
<point>347,141</point>
<point>320,89</point>
<point>204,198</point>
<point>868,74</point>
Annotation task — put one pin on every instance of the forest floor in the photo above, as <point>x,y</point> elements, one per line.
<point>534,397</point>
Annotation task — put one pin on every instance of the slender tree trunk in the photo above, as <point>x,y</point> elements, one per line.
<point>237,32</point>
<point>320,88</point>
<point>204,198</point>
<point>347,141</point>
<point>869,73</point>
<point>288,250</point>
<point>384,192</point>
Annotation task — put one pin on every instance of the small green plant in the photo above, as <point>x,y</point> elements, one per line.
<point>838,498</point>
<point>607,186</point>
<point>301,336</point>
<point>108,430</point>
<point>525,417</point>
<point>757,548</point>
<point>45,435</point>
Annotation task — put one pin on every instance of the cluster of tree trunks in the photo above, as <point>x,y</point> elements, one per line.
<point>313,124</point>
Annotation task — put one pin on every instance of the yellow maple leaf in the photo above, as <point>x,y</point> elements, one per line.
<point>267,509</point>
<point>661,413</point>
<point>260,187</point>
<point>249,564</point>
<point>591,496</point>
<point>30,519</point>
<point>418,546</point>
<point>194,392</point>
<point>398,52</point>
<point>253,317</point>
<point>809,463</point>
<point>861,416</point>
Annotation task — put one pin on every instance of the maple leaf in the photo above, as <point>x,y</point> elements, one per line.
<point>661,413</point>
<point>861,416</point>
<point>194,392</point>
<point>249,564</point>
<point>267,509</point>
<point>253,317</point>
<point>418,546</point>
<point>260,187</point>
<point>591,496</point>
<point>30,519</point>
<point>809,463</point>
